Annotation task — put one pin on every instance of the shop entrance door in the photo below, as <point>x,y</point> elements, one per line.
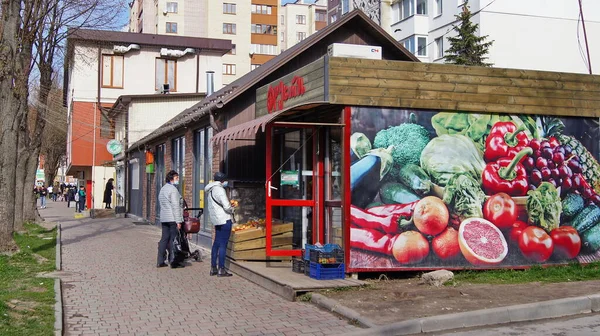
<point>303,187</point>
<point>292,186</point>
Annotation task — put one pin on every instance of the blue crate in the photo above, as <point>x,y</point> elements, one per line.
<point>327,271</point>
<point>325,248</point>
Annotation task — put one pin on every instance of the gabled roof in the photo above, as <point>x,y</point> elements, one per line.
<point>109,36</point>
<point>355,20</point>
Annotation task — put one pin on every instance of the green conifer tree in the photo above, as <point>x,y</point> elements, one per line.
<point>467,48</point>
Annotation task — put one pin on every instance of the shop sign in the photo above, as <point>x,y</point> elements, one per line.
<point>289,177</point>
<point>114,147</point>
<point>279,93</point>
<point>433,190</point>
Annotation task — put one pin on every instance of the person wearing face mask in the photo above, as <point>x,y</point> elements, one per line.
<point>220,212</point>
<point>171,217</point>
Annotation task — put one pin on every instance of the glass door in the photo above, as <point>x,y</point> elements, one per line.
<point>333,185</point>
<point>292,189</point>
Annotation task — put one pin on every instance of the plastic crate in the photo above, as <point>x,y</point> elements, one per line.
<point>298,265</point>
<point>327,271</point>
<point>325,248</point>
<point>334,257</point>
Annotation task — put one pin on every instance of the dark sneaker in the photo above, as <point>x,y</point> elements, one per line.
<point>223,273</point>
<point>177,266</point>
<point>213,271</point>
<point>161,265</point>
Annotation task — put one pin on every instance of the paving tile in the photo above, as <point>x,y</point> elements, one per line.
<point>115,288</point>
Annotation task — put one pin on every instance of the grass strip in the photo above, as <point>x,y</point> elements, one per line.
<point>26,300</point>
<point>568,273</point>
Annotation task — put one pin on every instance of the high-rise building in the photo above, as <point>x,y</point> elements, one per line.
<point>250,25</point>
<point>300,19</point>
<point>532,34</point>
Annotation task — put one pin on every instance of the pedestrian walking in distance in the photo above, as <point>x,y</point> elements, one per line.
<point>171,218</point>
<point>108,193</point>
<point>82,196</point>
<point>220,211</point>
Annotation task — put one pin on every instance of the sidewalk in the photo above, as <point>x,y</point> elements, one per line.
<point>111,286</point>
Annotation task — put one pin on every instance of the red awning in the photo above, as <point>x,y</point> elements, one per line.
<point>247,129</point>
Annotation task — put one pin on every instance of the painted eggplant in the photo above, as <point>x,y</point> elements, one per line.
<point>366,174</point>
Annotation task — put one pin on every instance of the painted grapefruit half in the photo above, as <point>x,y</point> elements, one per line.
<point>481,242</point>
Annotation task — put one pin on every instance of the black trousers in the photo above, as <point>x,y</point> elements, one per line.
<point>169,232</point>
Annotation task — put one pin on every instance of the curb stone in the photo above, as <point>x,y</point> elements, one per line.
<point>334,307</point>
<point>487,317</point>
<point>58,306</point>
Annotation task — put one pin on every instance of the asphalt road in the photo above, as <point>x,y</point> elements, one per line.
<point>588,325</point>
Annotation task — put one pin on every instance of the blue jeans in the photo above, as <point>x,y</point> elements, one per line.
<point>222,233</point>
<point>81,205</point>
<point>43,201</point>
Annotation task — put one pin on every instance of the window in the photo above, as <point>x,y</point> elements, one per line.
<point>178,160</point>
<point>345,6</point>
<point>439,47</point>
<point>421,46</point>
<point>166,73</point>
<point>229,28</point>
<point>261,9</point>
<point>409,44</point>
<point>254,66</point>
<point>228,69</point>
<point>300,19</point>
<point>406,9</point>
<point>282,37</point>
<point>333,18</point>
<point>422,7</point>
<point>282,20</point>
<point>438,7</point>
<point>300,36</point>
<point>171,28</point>
<point>112,71</point>
<point>202,171</point>
<point>263,49</point>
<point>263,29</point>
<point>171,7</point>
<point>229,8</point>
<point>321,16</point>
<point>233,51</point>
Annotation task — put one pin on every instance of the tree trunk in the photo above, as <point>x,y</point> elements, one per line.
<point>8,121</point>
<point>30,213</point>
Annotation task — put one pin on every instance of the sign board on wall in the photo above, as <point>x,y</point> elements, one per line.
<point>463,190</point>
<point>305,85</point>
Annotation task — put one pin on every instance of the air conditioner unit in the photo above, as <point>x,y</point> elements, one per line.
<point>354,51</point>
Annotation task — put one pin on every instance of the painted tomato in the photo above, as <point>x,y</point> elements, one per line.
<point>567,242</point>
<point>516,230</point>
<point>431,216</point>
<point>501,210</point>
<point>410,247</point>
<point>535,244</point>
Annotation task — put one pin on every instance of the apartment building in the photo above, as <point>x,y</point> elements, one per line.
<point>250,25</point>
<point>300,19</point>
<point>103,67</point>
<point>533,34</point>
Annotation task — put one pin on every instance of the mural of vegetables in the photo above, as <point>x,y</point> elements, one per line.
<point>465,190</point>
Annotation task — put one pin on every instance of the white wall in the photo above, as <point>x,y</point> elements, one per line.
<point>100,177</point>
<point>139,73</point>
<point>289,26</point>
<point>147,115</point>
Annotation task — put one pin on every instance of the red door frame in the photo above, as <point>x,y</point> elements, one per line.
<point>318,211</point>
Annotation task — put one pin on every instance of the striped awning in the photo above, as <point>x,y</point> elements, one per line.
<point>246,130</point>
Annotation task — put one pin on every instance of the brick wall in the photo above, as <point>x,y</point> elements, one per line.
<point>189,166</point>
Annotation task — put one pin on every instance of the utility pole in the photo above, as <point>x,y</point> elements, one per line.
<point>587,48</point>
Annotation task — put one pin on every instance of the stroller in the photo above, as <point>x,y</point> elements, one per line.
<point>181,247</point>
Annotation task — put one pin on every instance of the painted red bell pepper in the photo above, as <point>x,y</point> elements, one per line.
<point>372,240</point>
<point>506,175</point>
<point>505,141</point>
<point>405,210</point>
<point>363,219</point>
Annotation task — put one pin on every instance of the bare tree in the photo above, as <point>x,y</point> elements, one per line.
<point>32,32</point>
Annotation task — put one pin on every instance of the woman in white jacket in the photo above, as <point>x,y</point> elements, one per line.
<point>219,211</point>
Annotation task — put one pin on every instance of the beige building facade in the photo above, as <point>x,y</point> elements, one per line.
<point>299,20</point>
<point>250,25</point>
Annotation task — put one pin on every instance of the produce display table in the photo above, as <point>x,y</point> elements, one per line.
<point>248,241</point>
